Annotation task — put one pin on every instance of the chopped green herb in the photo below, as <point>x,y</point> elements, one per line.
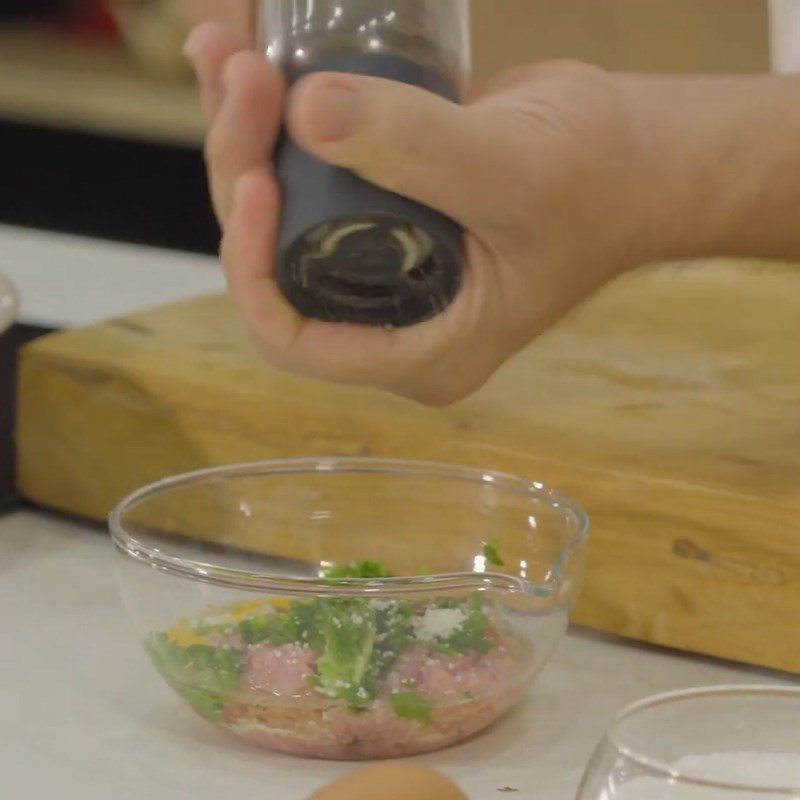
<point>395,633</point>
<point>357,642</point>
<point>411,705</point>
<point>358,569</point>
<point>276,629</point>
<point>209,704</point>
<point>299,624</point>
<point>491,552</point>
<point>472,635</point>
<point>203,675</point>
<point>208,630</point>
<point>306,617</point>
<point>344,670</point>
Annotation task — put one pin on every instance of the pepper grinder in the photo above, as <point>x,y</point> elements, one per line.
<point>349,251</point>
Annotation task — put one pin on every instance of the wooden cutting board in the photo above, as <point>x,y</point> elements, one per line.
<point>669,406</point>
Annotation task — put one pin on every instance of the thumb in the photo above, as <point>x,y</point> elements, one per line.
<point>402,138</point>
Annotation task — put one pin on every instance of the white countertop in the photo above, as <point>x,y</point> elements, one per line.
<point>83,716</point>
<point>65,281</point>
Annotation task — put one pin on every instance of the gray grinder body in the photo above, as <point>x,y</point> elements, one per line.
<point>366,277</point>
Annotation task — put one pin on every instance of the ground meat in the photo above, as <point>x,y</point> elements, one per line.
<point>278,709</point>
<point>441,676</point>
<point>335,732</point>
<point>281,671</point>
<point>467,694</point>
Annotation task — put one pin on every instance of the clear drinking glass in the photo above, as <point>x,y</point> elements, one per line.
<point>723,743</point>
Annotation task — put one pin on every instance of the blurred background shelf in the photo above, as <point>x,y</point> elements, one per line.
<point>80,83</point>
<point>678,36</point>
<point>108,150</point>
<point>70,82</point>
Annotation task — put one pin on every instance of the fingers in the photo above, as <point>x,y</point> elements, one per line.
<point>241,97</point>
<point>402,138</point>
<point>246,127</point>
<point>248,255</point>
<point>350,354</point>
<point>335,352</point>
<point>208,48</point>
<point>436,363</point>
<point>246,195</point>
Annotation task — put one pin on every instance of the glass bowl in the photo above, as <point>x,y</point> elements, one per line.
<point>737,742</point>
<point>8,304</point>
<point>349,608</point>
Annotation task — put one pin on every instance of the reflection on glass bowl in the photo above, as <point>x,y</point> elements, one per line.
<point>8,304</point>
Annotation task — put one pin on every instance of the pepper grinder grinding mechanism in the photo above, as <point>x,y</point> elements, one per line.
<point>349,251</point>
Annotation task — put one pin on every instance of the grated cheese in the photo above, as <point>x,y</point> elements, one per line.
<point>439,623</point>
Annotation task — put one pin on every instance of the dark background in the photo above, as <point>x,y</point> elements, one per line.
<point>92,185</point>
<point>96,186</point>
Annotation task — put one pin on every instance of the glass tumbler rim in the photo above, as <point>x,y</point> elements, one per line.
<point>658,768</point>
<point>201,571</point>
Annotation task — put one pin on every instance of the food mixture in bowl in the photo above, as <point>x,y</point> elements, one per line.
<point>349,677</point>
<point>241,582</point>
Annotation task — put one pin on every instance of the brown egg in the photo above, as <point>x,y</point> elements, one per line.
<point>392,782</point>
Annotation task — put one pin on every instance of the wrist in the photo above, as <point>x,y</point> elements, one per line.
<point>722,164</point>
<point>681,210</point>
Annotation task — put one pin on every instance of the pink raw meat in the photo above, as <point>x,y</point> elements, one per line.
<point>437,675</point>
<point>379,726</point>
<point>280,670</point>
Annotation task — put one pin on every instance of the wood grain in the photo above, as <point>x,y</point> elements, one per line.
<point>669,406</point>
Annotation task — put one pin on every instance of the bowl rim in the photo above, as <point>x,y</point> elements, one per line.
<point>235,578</point>
<point>654,766</point>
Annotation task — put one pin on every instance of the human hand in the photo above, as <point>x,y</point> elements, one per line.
<point>545,169</point>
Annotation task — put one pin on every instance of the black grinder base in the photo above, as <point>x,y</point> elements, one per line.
<point>351,252</point>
